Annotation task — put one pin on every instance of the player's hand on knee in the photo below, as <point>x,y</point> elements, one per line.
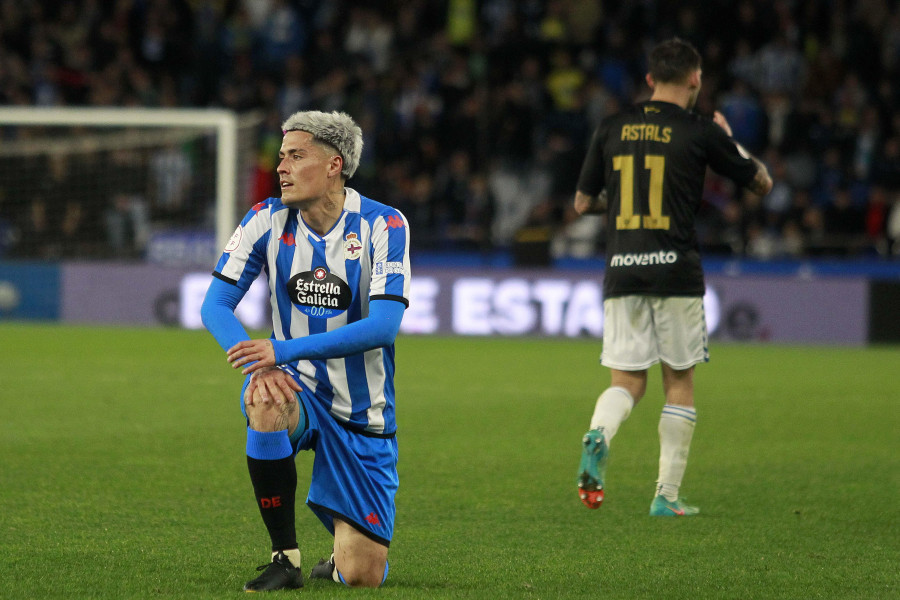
<point>271,385</point>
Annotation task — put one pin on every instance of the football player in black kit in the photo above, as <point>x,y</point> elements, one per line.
<point>645,168</point>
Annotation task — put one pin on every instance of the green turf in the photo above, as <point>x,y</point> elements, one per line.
<point>123,474</point>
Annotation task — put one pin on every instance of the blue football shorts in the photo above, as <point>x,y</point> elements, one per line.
<point>354,475</point>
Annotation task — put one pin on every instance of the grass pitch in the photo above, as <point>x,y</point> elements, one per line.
<point>123,474</point>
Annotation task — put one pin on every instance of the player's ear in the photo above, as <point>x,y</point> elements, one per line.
<point>694,79</point>
<point>650,83</point>
<point>336,165</point>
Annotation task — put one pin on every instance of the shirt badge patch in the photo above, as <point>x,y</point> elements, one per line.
<point>235,240</point>
<point>388,268</point>
<point>352,247</point>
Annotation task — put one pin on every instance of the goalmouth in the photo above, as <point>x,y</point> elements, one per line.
<point>226,125</point>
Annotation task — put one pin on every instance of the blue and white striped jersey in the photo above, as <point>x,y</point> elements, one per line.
<point>320,283</point>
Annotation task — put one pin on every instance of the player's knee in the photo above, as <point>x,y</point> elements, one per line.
<point>271,416</point>
<point>635,386</point>
<point>356,574</point>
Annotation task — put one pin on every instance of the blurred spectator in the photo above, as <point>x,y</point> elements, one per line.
<point>369,37</point>
<point>780,67</point>
<point>614,70</point>
<point>744,65</point>
<point>281,34</point>
<point>892,227</point>
<point>866,143</point>
<point>517,192</point>
<point>844,222</point>
<point>461,204</point>
<point>127,215</point>
<point>831,175</point>
<point>170,182</point>
<point>779,200</point>
<point>35,237</point>
<point>886,168</point>
<point>876,217</point>
<point>746,116</point>
<point>565,80</point>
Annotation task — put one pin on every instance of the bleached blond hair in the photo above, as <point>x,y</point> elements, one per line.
<point>335,129</point>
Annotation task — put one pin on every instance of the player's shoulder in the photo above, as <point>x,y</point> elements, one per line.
<point>260,213</point>
<point>675,112</point>
<point>267,207</point>
<point>370,209</point>
<point>626,114</point>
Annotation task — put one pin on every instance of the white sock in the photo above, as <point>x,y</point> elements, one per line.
<point>335,575</point>
<point>293,555</point>
<point>612,408</point>
<point>676,428</point>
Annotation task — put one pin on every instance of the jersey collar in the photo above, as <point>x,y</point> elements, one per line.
<point>352,202</point>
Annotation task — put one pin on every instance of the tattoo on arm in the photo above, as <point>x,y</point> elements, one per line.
<point>761,183</point>
<point>586,204</point>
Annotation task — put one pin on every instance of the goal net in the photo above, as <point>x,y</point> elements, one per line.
<point>165,185</point>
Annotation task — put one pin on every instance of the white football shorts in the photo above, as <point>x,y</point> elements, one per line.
<point>640,331</point>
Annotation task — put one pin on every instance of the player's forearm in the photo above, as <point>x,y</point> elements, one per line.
<point>378,330</point>
<point>761,184</point>
<point>217,314</point>
<point>585,204</point>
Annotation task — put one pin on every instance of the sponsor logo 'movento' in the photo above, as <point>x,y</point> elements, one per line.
<point>643,258</point>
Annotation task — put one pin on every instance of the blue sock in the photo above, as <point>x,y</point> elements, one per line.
<point>265,445</point>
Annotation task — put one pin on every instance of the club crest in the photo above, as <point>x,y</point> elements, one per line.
<point>352,247</point>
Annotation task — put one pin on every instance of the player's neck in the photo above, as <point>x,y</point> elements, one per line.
<point>673,94</point>
<point>322,214</point>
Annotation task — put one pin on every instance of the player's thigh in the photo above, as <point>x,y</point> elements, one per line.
<point>629,342</point>
<point>359,559</point>
<point>680,326</point>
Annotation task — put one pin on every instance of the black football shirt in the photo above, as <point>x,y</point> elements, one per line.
<point>652,160</point>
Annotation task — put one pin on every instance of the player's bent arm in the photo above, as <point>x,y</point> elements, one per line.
<point>761,184</point>
<point>217,313</point>
<point>585,204</point>
<point>377,330</point>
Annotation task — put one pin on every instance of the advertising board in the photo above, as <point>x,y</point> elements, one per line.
<point>508,302</point>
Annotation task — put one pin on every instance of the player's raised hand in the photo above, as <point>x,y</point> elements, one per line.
<point>722,122</point>
<point>260,351</point>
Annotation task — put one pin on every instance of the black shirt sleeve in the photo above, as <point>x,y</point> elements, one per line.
<point>591,180</point>
<point>728,158</point>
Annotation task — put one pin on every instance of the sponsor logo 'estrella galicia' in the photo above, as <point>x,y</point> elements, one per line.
<point>318,293</point>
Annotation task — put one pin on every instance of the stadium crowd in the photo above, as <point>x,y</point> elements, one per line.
<point>477,112</point>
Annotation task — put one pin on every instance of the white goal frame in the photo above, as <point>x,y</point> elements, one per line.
<point>224,122</point>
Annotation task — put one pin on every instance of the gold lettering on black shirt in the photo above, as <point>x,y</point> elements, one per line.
<point>646,132</point>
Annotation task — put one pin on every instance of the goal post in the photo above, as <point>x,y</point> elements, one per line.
<point>226,125</point>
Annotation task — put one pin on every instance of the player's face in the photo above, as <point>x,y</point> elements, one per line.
<point>306,169</point>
